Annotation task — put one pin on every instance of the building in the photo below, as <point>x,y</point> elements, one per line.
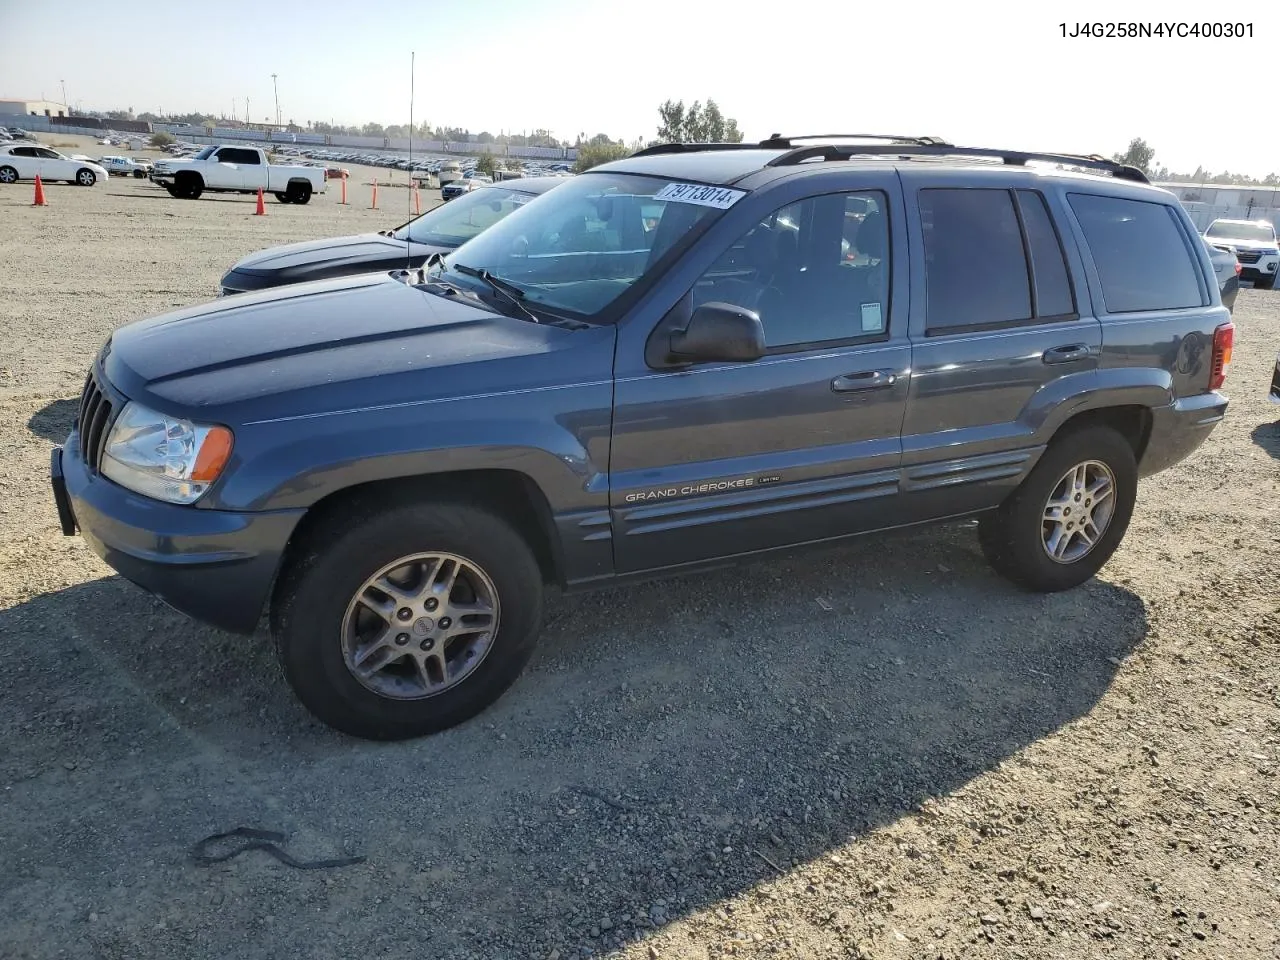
<point>1207,202</point>
<point>33,108</point>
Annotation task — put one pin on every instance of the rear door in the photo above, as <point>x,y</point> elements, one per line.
<point>999,333</point>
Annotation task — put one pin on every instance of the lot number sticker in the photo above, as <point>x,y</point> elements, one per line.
<point>722,198</point>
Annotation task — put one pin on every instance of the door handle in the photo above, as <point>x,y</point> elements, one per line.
<point>1074,351</point>
<point>867,380</point>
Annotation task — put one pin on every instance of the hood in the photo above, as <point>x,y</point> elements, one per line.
<point>1243,244</point>
<point>330,345</point>
<point>323,259</point>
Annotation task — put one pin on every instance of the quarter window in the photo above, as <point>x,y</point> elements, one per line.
<point>1141,254</point>
<point>814,271</point>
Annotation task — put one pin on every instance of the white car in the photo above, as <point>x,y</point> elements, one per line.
<point>27,161</point>
<point>125,167</point>
<point>1254,243</point>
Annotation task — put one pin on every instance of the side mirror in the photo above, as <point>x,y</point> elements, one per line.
<point>719,332</point>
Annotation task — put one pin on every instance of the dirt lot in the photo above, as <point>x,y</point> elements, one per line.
<point>878,750</point>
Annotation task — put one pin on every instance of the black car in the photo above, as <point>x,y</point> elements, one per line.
<point>700,352</point>
<point>437,231</point>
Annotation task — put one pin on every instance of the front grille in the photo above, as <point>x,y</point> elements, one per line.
<point>1248,256</point>
<point>93,422</point>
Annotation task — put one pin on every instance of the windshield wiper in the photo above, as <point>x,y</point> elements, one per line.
<point>510,292</point>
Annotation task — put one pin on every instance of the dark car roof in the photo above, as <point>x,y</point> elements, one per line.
<point>709,166</point>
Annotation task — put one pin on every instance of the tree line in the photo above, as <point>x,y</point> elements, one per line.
<point>1142,155</point>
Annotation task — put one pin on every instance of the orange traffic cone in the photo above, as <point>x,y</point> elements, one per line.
<point>417,200</point>
<point>40,200</point>
<point>374,205</point>
<point>262,207</point>
<point>344,190</point>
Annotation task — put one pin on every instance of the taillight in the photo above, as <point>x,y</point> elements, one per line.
<point>1223,339</point>
<point>1238,268</point>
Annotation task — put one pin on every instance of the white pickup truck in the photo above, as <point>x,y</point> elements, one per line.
<point>228,169</point>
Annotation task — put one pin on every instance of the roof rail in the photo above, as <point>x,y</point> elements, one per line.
<point>1013,157</point>
<point>778,141</point>
<point>658,148</point>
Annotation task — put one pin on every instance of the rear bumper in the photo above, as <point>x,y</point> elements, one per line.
<point>1178,430</point>
<point>212,565</point>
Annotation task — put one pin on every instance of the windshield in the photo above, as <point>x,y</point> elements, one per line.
<point>1235,230</point>
<point>584,244</point>
<point>454,223</point>
<point>204,154</point>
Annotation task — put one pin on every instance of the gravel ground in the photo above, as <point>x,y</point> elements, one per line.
<point>875,750</point>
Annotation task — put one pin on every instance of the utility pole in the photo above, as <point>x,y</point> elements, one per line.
<point>277,91</point>
<point>64,94</point>
<point>246,111</point>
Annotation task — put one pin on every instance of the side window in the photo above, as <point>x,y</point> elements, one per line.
<point>249,157</point>
<point>23,152</point>
<point>225,156</point>
<point>976,273</point>
<point>1048,266</point>
<point>814,271</point>
<point>1141,254</point>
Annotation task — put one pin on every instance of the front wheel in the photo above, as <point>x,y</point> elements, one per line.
<point>282,197</point>
<point>1068,516</point>
<point>8,175</point>
<point>408,621</point>
<point>86,177</point>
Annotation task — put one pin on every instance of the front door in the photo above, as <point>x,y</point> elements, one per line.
<point>722,459</point>
<point>1000,332</point>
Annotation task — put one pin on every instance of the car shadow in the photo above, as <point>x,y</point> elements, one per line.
<point>54,420</point>
<point>1267,436</point>
<point>672,745</point>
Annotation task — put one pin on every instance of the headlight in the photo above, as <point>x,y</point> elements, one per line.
<point>166,458</point>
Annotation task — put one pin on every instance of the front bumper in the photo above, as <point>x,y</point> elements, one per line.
<point>1179,429</point>
<point>1265,268</point>
<point>212,565</point>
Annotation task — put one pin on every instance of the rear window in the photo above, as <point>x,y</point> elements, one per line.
<point>1142,256</point>
<point>975,269</point>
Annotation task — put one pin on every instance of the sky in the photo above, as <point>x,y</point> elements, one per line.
<point>998,74</point>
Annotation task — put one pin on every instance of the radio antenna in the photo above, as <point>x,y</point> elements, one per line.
<point>408,243</point>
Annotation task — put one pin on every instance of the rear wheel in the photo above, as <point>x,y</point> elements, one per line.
<point>1068,516</point>
<point>299,193</point>
<point>86,177</point>
<point>407,621</point>
<point>8,175</point>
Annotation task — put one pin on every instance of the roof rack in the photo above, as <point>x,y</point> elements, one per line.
<point>1013,157</point>
<point>777,141</point>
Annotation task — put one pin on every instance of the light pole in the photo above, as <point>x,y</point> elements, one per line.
<point>277,92</point>
<point>64,94</point>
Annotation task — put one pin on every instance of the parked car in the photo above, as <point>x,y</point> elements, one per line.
<point>334,172</point>
<point>463,185</point>
<point>223,169</point>
<point>1254,243</point>
<point>124,167</point>
<point>19,134</point>
<point>25,162</point>
<point>395,468</point>
<point>1226,267</point>
<point>437,231</point>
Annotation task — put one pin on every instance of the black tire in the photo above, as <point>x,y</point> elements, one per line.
<point>8,175</point>
<point>299,193</point>
<point>173,191</point>
<point>85,177</point>
<point>139,174</point>
<point>190,185</point>
<point>1012,537</point>
<point>283,198</point>
<point>311,603</point>
<point>1264,283</point>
